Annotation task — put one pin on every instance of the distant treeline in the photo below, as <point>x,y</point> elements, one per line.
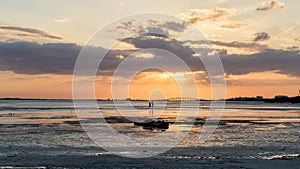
<point>16,98</point>
<point>284,100</point>
<point>269,100</point>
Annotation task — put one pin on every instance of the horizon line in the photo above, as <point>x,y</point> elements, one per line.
<point>134,99</point>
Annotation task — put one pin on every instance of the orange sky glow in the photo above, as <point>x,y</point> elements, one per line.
<point>153,85</point>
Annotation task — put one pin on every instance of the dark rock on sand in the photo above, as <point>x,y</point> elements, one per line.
<point>117,119</point>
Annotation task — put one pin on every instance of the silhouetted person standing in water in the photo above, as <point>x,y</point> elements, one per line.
<point>150,106</point>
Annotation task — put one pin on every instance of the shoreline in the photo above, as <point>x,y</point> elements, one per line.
<point>287,99</point>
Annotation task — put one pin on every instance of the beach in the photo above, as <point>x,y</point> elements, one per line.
<point>150,84</point>
<point>145,84</point>
<point>47,134</point>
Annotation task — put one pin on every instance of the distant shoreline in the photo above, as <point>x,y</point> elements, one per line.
<point>285,99</point>
<point>295,99</point>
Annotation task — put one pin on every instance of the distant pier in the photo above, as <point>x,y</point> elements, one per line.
<point>182,99</point>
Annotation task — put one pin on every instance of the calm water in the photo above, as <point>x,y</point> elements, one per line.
<point>52,123</point>
<point>67,105</point>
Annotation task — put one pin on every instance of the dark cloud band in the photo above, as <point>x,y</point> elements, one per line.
<point>60,58</point>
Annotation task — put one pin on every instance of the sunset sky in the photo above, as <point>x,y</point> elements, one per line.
<point>256,40</point>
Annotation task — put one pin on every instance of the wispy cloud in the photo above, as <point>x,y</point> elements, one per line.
<point>60,20</point>
<point>269,5</point>
<point>234,25</point>
<point>266,78</point>
<point>234,44</point>
<point>216,18</point>
<point>200,15</point>
<point>32,31</point>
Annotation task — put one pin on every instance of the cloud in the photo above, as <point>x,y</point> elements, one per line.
<point>261,36</point>
<point>151,26</point>
<point>293,48</point>
<point>34,58</point>
<point>261,79</point>
<point>174,26</point>
<point>60,58</point>
<point>234,25</point>
<point>235,44</point>
<point>269,5</point>
<point>176,47</point>
<point>59,20</point>
<point>200,15</point>
<point>32,31</point>
<point>216,17</point>
<point>281,61</point>
<point>53,58</point>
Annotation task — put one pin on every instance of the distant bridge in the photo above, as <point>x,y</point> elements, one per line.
<point>182,99</point>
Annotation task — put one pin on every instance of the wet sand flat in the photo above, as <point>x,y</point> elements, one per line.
<point>244,138</point>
